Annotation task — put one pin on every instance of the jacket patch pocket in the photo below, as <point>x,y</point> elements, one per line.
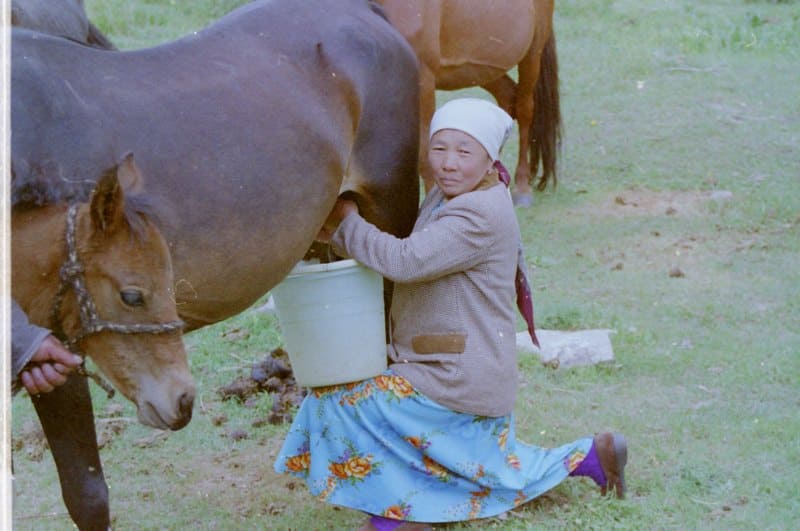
<point>439,343</point>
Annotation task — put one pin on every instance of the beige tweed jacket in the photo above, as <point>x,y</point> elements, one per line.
<point>453,314</point>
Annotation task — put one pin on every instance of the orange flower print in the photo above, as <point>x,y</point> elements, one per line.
<point>434,468</point>
<point>481,472</point>
<point>503,439</point>
<point>338,469</point>
<point>299,463</point>
<point>475,501</point>
<point>397,512</point>
<point>352,468</point>
<point>358,467</point>
<point>574,459</point>
<point>354,393</point>
<point>382,382</point>
<point>330,485</point>
<point>319,392</point>
<point>401,387</point>
<point>513,461</point>
<point>350,399</point>
<point>485,491</point>
<point>396,384</point>
<point>521,497</point>
<point>417,442</point>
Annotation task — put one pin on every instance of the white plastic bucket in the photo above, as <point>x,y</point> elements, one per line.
<point>331,316</point>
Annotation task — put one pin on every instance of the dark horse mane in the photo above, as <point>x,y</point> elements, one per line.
<point>37,190</point>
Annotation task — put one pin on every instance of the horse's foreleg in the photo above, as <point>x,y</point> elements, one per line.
<point>68,423</point>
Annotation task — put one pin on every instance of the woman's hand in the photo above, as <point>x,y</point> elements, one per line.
<point>342,209</point>
<point>49,367</point>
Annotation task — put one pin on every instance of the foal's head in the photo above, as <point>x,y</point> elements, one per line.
<point>119,307</point>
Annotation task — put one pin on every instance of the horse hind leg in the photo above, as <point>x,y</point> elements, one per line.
<point>68,422</point>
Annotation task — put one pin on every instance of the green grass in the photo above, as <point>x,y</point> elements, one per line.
<point>664,103</point>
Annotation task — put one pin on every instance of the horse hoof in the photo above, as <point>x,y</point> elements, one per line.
<point>522,200</point>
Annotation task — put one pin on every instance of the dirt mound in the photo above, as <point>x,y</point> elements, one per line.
<point>271,375</point>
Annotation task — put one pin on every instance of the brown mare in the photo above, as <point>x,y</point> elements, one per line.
<point>254,125</point>
<point>467,43</point>
<point>62,18</point>
<point>99,275</point>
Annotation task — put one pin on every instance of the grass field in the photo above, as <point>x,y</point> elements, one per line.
<point>676,223</point>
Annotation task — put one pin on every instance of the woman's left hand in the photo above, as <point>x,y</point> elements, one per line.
<point>342,209</point>
<point>49,367</point>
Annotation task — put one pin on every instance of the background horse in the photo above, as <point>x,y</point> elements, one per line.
<point>62,18</point>
<point>467,43</point>
<point>254,125</point>
<point>100,276</point>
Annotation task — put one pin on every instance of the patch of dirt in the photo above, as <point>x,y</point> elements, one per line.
<point>30,440</point>
<point>111,424</point>
<point>247,481</point>
<point>650,203</point>
<point>32,443</point>
<point>675,256</point>
<point>271,375</point>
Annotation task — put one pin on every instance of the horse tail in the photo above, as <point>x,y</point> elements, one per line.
<point>545,130</point>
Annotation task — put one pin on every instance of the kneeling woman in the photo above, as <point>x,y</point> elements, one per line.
<point>432,439</point>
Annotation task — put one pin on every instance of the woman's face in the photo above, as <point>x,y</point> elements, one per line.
<point>459,161</point>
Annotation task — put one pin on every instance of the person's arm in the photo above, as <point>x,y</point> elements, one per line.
<point>454,242</point>
<point>38,357</point>
<point>25,338</point>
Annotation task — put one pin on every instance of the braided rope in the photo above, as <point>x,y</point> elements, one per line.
<point>71,275</point>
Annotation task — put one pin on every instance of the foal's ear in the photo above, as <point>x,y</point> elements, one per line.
<point>128,174</point>
<point>108,198</point>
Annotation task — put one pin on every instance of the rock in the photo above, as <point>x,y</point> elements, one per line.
<point>562,349</point>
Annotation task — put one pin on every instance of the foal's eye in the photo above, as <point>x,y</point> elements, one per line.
<point>132,297</point>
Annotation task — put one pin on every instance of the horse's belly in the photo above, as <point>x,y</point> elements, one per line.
<point>467,75</point>
<point>482,39</point>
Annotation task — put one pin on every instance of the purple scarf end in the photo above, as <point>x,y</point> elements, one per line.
<point>524,300</point>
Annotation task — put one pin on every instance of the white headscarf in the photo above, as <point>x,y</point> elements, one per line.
<point>482,120</point>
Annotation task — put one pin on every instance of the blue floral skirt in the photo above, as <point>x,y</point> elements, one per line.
<point>383,448</point>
